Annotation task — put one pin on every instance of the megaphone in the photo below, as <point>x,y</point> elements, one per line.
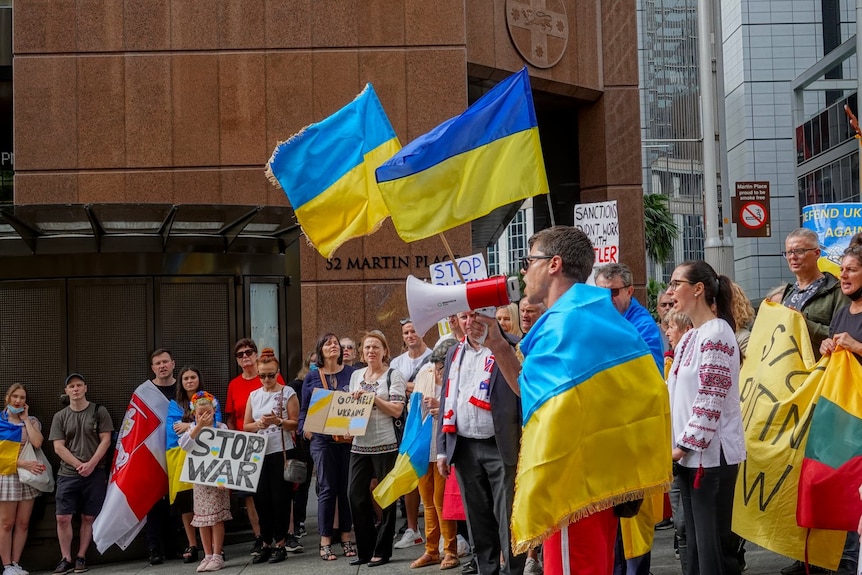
<point>428,303</point>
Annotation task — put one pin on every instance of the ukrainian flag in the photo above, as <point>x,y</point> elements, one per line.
<point>327,172</point>
<point>10,445</point>
<point>413,456</point>
<point>487,157</point>
<point>596,417</point>
<point>175,455</point>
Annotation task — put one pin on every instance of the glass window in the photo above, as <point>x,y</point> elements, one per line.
<point>835,113</point>
<point>263,303</point>
<point>800,144</point>
<point>815,136</point>
<point>846,181</point>
<point>493,260</point>
<point>824,131</point>
<point>826,182</point>
<point>808,143</point>
<point>517,240</point>
<point>854,177</point>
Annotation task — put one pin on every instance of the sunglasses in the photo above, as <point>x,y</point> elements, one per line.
<point>347,346</point>
<point>405,321</point>
<point>245,353</point>
<point>268,375</point>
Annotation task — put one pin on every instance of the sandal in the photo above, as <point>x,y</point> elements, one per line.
<point>190,554</point>
<point>449,562</point>
<point>349,548</point>
<point>326,553</point>
<point>424,561</point>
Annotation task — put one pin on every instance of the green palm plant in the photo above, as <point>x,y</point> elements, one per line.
<point>659,228</point>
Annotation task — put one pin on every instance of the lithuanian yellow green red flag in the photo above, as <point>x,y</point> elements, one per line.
<point>596,417</point>
<point>780,384</point>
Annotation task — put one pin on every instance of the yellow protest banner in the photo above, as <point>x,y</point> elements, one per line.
<point>779,384</point>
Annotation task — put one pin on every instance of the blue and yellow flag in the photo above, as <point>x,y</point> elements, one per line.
<point>596,417</point>
<point>175,454</point>
<point>469,165</point>
<point>10,445</point>
<point>413,456</point>
<point>327,172</point>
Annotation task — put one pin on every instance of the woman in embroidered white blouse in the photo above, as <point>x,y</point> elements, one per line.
<point>706,418</point>
<point>373,454</point>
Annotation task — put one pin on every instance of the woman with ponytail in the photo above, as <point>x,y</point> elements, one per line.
<point>706,420</point>
<point>273,411</point>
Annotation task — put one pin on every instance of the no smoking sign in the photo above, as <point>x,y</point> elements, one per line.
<point>751,210</point>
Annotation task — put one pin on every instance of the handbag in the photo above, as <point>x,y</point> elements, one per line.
<point>295,470</point>
<point>43,481</point>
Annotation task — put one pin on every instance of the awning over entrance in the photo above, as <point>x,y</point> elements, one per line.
<point>118,228</point>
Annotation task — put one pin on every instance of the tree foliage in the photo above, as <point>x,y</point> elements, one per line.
<point>659,227</point>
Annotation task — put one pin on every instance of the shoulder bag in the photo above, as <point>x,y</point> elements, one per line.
<point>295,471</point>
<point>44,481</point>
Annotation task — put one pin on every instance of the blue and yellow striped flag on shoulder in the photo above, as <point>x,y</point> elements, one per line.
<point>596,417</point>
<point>469,165</point>
<point>10,445</point>
<point>327,172</point>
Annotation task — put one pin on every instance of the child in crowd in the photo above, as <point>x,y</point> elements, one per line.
<point>675,324</point>
<point>211,504</point>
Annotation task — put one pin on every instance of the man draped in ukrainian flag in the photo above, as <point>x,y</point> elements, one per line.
<point>596,414</point>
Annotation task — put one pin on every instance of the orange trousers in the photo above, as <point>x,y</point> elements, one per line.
<point>431,491</point>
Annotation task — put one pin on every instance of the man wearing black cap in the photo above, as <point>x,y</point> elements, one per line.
<point>81,433</point>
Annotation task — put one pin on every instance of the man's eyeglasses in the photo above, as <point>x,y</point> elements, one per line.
<point>673,285</point>
<point>245,353</point>
<point>527,260</point>
<point>268,375</point>
<point>799,252</point>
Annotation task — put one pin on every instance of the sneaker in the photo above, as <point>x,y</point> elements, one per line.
<point>202,566</point>
<point>662,525</point>
<point>258,545</point>
<point>19,569</point>
<point>64,567</point>
<point>300,530</point>
<point>463,546</point>
<point>263,556</point>
<point>216,563</point>
<point>279,554</point>
<point>532,567</point>
<point>80,565</point>
<point>10,570</point>
<point>798,568</point>
<point>292,544</point>
<point>409,539</point>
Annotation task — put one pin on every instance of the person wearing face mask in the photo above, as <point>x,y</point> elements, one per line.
<point>16,498</point>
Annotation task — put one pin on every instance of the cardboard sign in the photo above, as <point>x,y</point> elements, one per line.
<point>600,221</point>
<point>337,413</point>
<point>225,458</point>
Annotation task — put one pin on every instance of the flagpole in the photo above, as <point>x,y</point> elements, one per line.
<point>452,257</point>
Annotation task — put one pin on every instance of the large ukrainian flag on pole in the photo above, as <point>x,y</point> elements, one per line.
<point>469,165</point>
<point>596,417</point>
<point>327,172</point>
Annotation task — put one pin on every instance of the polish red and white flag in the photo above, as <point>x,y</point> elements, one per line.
<point>139,475</point>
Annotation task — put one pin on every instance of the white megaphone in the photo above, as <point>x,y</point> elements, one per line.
<point>428,303</point>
